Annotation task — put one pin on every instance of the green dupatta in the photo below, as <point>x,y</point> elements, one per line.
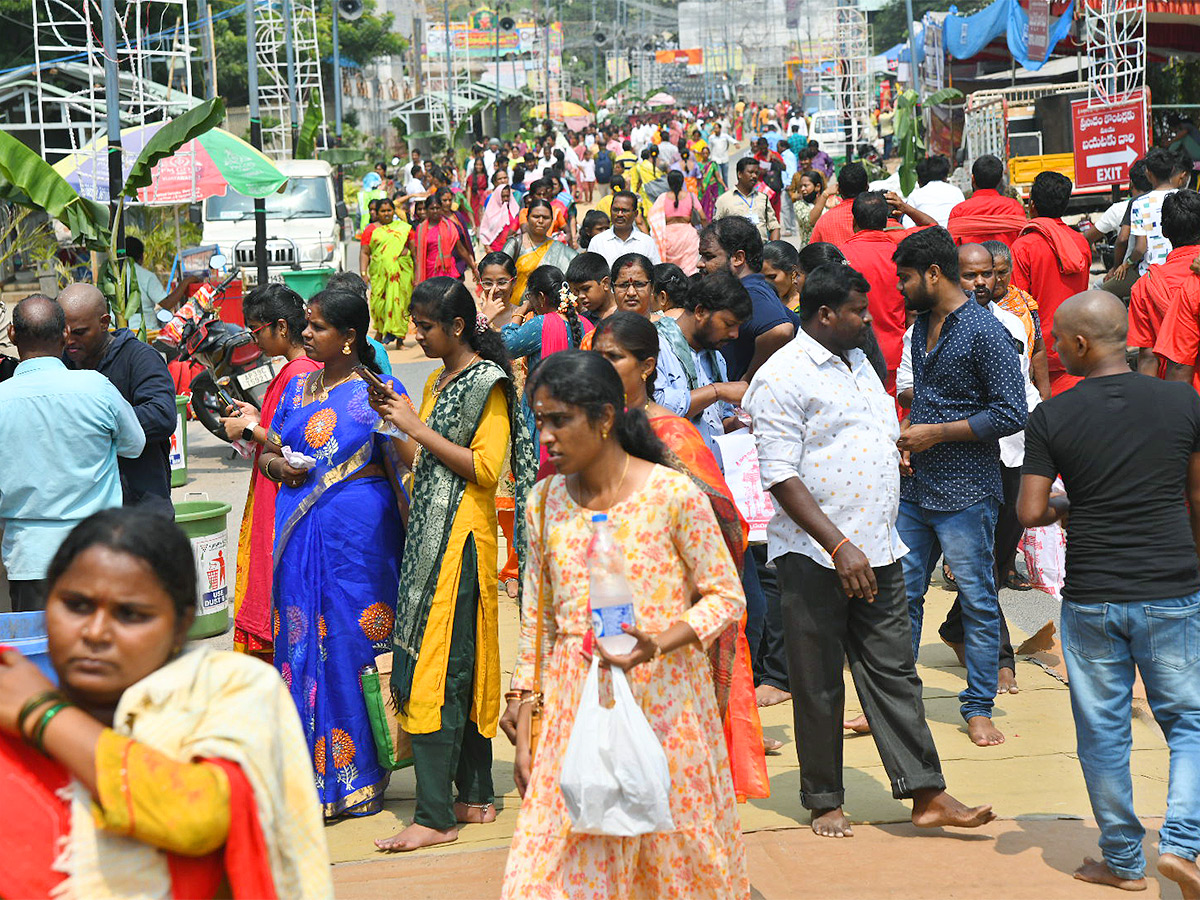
<point>436,494</point>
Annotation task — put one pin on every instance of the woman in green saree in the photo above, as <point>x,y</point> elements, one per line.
<point>390,274</point>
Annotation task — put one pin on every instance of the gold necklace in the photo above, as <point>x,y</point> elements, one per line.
<point>617,493</point>
<point>446,377</point>
<point>323,393</point>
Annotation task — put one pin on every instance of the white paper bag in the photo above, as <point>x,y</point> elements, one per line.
<point>739,460</point>
<point>615,778</point>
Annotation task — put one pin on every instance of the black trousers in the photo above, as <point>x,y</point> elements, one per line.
<point>27,596</point>
<point>1008,535</point>
<point>770,663</point>
<point>823,626</point>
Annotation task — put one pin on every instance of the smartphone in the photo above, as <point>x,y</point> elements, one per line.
<point>225,399</point>
<point>373,381</point>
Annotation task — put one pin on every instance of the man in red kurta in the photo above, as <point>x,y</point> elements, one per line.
<point>1177,341</point>
<point>836,224</point>
<point>869,252</point>
<point>986,200</point>
<point>1051,261</point>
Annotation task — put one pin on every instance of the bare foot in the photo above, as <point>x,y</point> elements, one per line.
<point>983,732</point>
<point>474,813</point>
<point>936,808</point>
<point>1097,872</point>
<point>769,695</point>
<point>858,724</point>
<point>1185,874</point>
<point>960,651</point>
<point>1008,682</point>
<point>831,823</point>
<point>414,837</point>
<point>511,587</point>
<point>770,745</point>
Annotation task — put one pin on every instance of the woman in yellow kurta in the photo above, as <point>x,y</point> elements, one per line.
<point>607,457</point>
<point>446,666</point>
<point>532,246</point>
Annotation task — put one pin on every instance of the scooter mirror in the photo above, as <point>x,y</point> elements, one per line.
<point>218,261</point>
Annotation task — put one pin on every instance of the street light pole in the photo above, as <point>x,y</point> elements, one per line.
<point>260,204</point>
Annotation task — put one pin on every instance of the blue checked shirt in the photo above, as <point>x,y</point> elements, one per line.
<point>972,373</point>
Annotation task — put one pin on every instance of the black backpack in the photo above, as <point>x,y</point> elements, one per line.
<point>603,166</point>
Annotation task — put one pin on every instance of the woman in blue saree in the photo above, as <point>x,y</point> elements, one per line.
<point>339,538</point>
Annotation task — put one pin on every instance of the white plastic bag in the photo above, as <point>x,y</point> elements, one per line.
<point>1045,550</point>
<point>615,778</point>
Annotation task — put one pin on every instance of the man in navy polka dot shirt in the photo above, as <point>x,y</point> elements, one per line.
<point>968,393</point>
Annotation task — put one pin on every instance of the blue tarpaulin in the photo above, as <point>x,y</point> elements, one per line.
<point>966,36</point>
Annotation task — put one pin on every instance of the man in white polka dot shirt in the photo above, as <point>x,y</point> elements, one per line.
<point>826,433</point>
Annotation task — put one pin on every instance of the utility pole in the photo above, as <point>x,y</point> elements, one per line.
<point>260,204</point>
<point>208,64</point>
<point>496,21</point>
<point>546,56</point>
<point>290,51</point>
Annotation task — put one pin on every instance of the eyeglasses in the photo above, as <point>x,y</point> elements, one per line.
<point>626,286</point>
<point>502,284</point>
<point>254,331</point>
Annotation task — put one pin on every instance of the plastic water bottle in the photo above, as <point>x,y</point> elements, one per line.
<point>609,593</point>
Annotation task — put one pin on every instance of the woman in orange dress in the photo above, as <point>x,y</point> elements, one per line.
<point>687,594</point>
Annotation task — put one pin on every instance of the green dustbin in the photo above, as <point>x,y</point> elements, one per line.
<point>178,454</point>
<point>307,282</point>
<point>203,521</point>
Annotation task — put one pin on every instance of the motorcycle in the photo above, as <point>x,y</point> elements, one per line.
<point>234,367</point>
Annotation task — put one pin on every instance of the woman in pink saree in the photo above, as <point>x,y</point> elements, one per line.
<point>671,224</point>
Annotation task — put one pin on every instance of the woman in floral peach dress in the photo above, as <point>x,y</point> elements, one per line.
<point>687,591</point>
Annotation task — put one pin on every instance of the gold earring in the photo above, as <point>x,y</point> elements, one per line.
<point>645,375</point>
<point>346,349</point>
<point>604,434</point>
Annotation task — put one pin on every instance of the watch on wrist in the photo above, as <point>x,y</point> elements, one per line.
<point>248,433</point>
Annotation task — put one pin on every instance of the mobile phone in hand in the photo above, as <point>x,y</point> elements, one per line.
<point>226,400</point>
<point>374,382</point>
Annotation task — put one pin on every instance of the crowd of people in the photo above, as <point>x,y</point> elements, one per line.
<point>913,375</point>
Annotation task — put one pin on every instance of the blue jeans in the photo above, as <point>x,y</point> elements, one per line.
<point>965,537</point>
<point>1103,643</point>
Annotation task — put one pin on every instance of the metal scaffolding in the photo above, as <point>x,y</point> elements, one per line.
<point>153,58</point>
<point>1115,34</point>
<point>845,76</point>
<point>274,98</point>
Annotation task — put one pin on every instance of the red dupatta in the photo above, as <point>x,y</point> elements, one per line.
<point>446,237</point>
<point>256,541</point>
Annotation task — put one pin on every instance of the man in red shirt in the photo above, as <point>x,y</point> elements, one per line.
<point>1051,261</point>
<point>836,225</point>
<point>1177,342</point>
<point>1153,294</point>
<point>986,200</point>
<point>869,252</point>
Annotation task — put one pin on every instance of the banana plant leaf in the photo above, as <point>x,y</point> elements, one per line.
<point>173,135</point>
<point>342,156</point>
<point>28,180</point>
<point>306,140</point>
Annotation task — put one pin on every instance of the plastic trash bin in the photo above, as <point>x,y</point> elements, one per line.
<point>307,282</point>
<point>204,522</point>
<point>179,448</point>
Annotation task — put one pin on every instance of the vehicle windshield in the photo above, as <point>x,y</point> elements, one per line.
<point>302,198</point>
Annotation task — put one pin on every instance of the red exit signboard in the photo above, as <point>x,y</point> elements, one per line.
<point>1107,140</point>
